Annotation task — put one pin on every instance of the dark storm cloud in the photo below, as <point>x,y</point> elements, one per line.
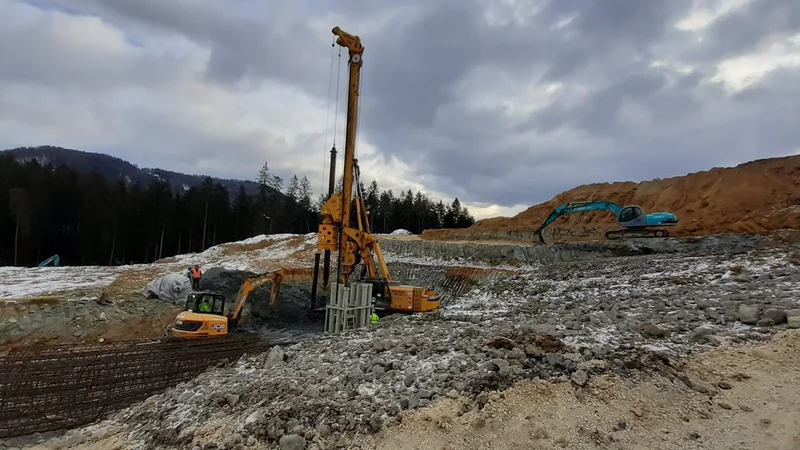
<point>742,30</point>
<point>615,29</point>
<point>634,96</point>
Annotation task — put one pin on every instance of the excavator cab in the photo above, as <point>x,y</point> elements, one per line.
<point>632,217</point>
<point>206,303</point>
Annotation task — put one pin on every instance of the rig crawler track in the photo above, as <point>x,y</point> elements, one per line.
<point>636,233</point>
<point>69,386</point>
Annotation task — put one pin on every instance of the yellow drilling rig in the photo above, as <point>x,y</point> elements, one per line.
<point>352,239</point>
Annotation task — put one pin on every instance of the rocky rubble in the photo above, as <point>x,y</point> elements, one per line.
<point>318,392</point>
<point>572,251</point>
<point>565,322</point>
<point>668,303</point>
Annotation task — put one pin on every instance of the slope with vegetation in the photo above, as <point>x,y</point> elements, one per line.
<point>755,197</point>
<point>93,209</point>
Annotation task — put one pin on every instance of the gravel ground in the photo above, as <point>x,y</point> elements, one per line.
<point>569,322</point>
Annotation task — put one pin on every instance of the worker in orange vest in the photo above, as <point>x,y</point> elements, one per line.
<point>196,274</point>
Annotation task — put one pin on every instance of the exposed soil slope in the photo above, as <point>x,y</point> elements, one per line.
<point>755,197</point>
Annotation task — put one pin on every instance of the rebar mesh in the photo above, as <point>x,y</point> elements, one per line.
<point>68,386</point>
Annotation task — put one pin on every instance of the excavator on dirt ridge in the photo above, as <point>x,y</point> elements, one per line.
<point>354,242</point>
<point>204,315</point>
<point>633,218</point>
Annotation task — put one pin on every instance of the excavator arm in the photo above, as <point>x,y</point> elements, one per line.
<point>250,284</point>
<point>576,207</point>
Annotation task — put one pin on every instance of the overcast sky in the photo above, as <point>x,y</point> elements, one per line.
<point>500,103</point>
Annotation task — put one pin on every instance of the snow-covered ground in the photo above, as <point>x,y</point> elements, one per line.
<point>16,282</point>
<point>252,254</point>
<point>274,247</point>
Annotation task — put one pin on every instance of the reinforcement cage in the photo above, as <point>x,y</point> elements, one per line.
<point>68,386</point>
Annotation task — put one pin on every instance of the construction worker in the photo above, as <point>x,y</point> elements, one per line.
<point>196,274</point>
<point>204,306</point>
<point>373,319</point>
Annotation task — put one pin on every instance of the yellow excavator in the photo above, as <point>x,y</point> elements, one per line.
<point>354,241</point>
<point>204,315</point>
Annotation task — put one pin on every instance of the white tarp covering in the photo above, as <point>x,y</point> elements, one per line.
<point>172,287</point>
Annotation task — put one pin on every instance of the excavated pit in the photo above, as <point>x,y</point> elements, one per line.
<point>524,254</point>
<point>290,319</point>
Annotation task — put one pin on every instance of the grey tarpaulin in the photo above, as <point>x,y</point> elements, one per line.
<point>171,287</point>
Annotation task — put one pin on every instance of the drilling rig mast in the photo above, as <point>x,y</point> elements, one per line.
<point>352,239</point>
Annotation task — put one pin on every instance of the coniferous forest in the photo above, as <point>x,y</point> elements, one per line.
<point>88,219</point>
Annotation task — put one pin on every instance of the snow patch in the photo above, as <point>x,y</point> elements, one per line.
<point>18,282</point>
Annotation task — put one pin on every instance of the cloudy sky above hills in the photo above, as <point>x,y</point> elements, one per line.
<point>500,103</point>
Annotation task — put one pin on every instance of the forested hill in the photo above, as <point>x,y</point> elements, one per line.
<point>114,168</point>
<point>103,214</point>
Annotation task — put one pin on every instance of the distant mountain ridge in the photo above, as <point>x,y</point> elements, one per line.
<point>114,168</point>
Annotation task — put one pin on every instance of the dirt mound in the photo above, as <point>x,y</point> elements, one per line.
<point>755,197</point>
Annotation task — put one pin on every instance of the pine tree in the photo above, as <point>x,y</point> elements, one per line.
<point>19,204</point>
<point>276,183</point>
<point>305,193</point>
<point>321,200</point>
<point>293,189</point>
<point>439,212</point>
<point>264,176</point>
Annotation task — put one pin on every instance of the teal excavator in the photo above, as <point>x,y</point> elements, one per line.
<point>633,219</point>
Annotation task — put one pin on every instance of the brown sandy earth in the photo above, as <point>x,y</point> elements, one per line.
<point>755,197</point>
<point>78,318</point>
<point>755,404</point>
<point>72,322</point>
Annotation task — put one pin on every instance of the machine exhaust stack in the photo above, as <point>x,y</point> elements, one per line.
<point>326,268</point>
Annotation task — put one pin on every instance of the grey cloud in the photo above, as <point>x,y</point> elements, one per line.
<point>411,108</point>
<point>743,29</point>
<point>618,28</point>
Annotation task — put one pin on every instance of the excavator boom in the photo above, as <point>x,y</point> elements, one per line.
<point>250,284</point>
<point>575,207</point>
